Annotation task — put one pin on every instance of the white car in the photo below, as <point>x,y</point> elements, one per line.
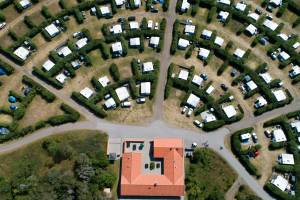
<point>198,123</point>
<point>141,100</point>
<point>2,25</point>
<point>189,113</point>
<point>76,34</point>
<point>194,145</point>
<point>184,109</point>
<point>126,104</point>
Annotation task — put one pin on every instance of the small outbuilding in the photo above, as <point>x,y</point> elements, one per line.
<point>229,111</point>
<point>183,43</point>
<point>286,159</point>
<point>239,53</point>
<point>183,74</point>
<point>61,78</point>
<point>251,30</point>
<point>135,42</point>
<point>203,53</point>
<point>48,65</point>
<point>219,41</point>
<point>206,34</point>
<point>279,95</point>
<point>154,42</point>
<point>22,53</point>
<point>52,30</point>
<point>117,49</point>
<point>104,81</point>
<point>278,135</point>
<point>147,67</point>
<point>197,80</point>
<point>189,29</point>
<point>270,24</point>
<point>280,182</point>
<point>81,43</point>
<point>110,103</point>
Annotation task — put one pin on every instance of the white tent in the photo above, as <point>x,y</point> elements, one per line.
<point>207,116</point>
<point>183,74</point>
<point>147,67</point>
<point>137,3</point>
<point>116,29</point>
<point>260,102</point>
<point>48,65</point>
<point>122,93</point>
<point>219,41</point>
<point>276,2</point>
<point>239,53</point>
<point>104,10</point>
<point>280,183</point>
<point>283,36</point>
<point>193,100</point>
<point>278,135</point>
<point>229,111</point>
<point>154,41</point>
<point>22,53</point>
<point>296,45</point>
<point>110,103</point>
<point>226,2</point>
<point>86,92</point>
<point>296,125</point>
<point>253,16</point>
<point>210,89</point>
<point>81,43</point>
<point>241,6</point>
<point>61,78</point>
<point>197,80</point>
<point>65,51</point>
<point>206,34</point>
<point>25,3</point>
<point>286,159</point>
<point>266,77</point>
<point>279,95</point>
<point>150,24</point>
<point>134,42</point>
<point>185,5</point>
<point>251,29</point>
<point>119,2</point>
<point>251,85</point>
<point>104,81</point>
<point>203,53</point>
<point>270,24</point>
<point>134,25</point>
<point>183,43</point>
<point>189,29</point>
<point>223,15</point>
<point>117,47</point>
<point>245,136</point>
<point>52,30</point>
<point>283,56</point>
<point>145,88</point>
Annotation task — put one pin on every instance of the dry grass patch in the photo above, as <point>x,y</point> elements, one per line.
<point>6,41</point>
<point>54,8</point>
<point>10,13</point>
<point>20,29</point>
<point>39,109</point>
<point>137,114</point>
<point>5,119</point>
<point>37,18</point>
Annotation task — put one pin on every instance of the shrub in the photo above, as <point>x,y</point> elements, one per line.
<point>211,14</point>
<point>165,5</point>
<point>276,145</point>
<point>210,126</point>
<point>114,72</point>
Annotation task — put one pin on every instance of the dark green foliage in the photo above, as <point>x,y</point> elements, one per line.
<point>114,72</point>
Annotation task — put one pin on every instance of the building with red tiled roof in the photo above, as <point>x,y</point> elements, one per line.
<point>139,180</point>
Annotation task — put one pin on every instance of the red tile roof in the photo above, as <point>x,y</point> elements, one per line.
<point>171,183</point>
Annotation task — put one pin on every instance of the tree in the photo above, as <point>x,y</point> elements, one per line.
<point>57,150</point>
<point>104,179</point>
<point>216,195</point>
<point>83,168</point>
<point>201,156</point>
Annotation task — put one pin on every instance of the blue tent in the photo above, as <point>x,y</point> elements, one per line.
<point>2,72</point>
<point>12,99</point>
<point>3,131</point>
<point>12,107</point>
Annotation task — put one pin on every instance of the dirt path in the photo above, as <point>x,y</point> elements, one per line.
<point>230,194</point>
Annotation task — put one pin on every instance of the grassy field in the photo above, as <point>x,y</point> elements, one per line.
<point>208,176</point>
<point>68,166</point>
<point>245,193</point>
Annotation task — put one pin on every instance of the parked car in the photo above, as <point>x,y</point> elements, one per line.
<point>76,34</point>
<point>258,11</point>
<point>267,133</point>
<point>126,104</point>
<point>194,144</point>
<point>204,76</point>
<point>141,100</point>
<point>224,87</point>
<point>121,19</point>
<point>189,113</point>
<point>184,109</point>
<point>2,25</point>
<point>198,123</point>
<point>254,137</point>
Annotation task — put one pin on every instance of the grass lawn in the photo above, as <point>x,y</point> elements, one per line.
<point>20,29</point>
<point>245,193</point>
<point>64,166</point>
<point>207,175</point>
